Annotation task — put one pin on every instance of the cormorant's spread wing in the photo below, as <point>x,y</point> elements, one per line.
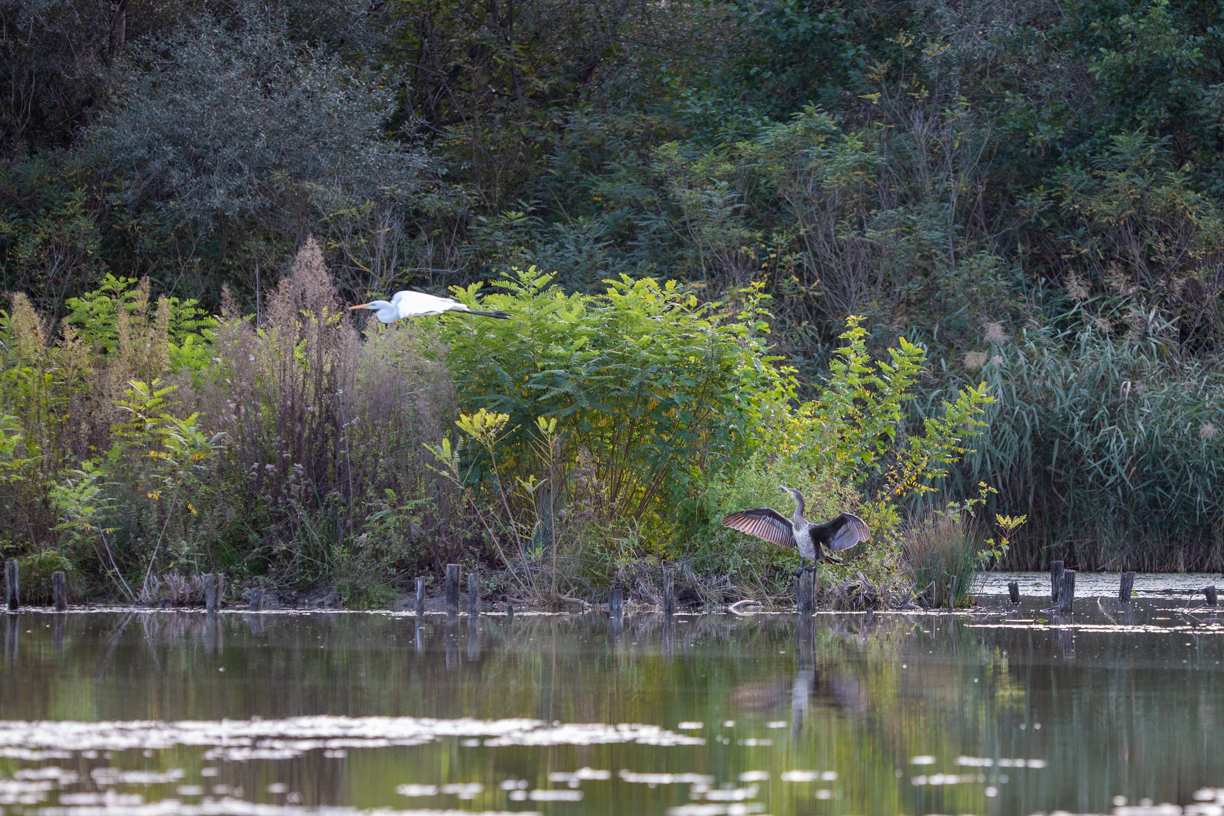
<point>850,530</point>
<point>763,523</point>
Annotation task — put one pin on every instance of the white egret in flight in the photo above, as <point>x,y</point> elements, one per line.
<point>418,304</point>
<point>839,534</point>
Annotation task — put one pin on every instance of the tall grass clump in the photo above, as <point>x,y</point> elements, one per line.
<point>938,547</point>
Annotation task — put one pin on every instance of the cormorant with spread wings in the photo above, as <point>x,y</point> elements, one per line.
<point>842,533</point>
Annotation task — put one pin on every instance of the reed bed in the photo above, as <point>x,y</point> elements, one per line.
<point>1111,445</point>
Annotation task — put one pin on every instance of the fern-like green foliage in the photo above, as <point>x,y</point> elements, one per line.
<point>118,317</point>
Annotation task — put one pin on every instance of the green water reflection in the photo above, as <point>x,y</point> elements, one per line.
<point>853,714</point>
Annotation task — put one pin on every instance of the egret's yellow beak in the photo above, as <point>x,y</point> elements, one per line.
<point>362,306</point>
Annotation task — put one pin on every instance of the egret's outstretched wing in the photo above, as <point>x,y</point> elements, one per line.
<point>850,530</point>
<point>763,523</point>
<point>419,304</point>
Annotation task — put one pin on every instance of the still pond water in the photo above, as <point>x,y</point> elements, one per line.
<point>997,712</point>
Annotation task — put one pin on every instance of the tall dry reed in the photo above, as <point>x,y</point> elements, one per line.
<point>325,463</point>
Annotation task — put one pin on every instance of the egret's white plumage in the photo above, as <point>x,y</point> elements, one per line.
<point>418,304</point>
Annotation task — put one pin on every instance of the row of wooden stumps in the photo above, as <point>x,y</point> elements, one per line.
<point>1062,591</point>
<point>616,595</point>
<point>1062,588</point>
<point>452,594</point>
<point>214,588</point>
<point>59,588</point>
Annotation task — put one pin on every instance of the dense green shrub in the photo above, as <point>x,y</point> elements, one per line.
<point>653,386</point>
<point>50,229</point>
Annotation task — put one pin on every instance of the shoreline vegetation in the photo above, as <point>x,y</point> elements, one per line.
<point>956,268</point>
<point>581,444</point>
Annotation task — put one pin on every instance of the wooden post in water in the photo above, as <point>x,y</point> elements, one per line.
<point>1210,592</point>
<point>10,584</point>
<point>509,611</point>
<point>220,589</point>
<point>669,590</point>
<point>616,602</point>
<point>59,590</point>
<point>1066,593</point>
<point>1056,577</point>
<point>452,589</point>
<point>1125,586</point>
<point>952,595</point>
<point>256,599</point>
<point>1013,590</point>
<point>420,597</point>
<point>473,595</point>
<point>210,592</point>
<point>805,592</point>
